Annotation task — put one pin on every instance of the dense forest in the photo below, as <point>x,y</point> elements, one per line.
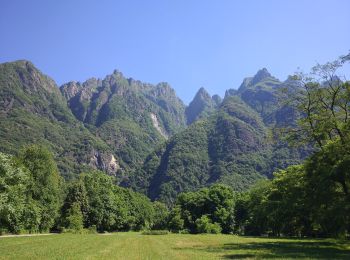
<point>271,158</point>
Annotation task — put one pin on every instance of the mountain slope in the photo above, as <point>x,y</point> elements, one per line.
<point>230,147</point>
<point>32,110</point>
<point>138,131</point>
<point>236,145</point>
<point>130,116</point>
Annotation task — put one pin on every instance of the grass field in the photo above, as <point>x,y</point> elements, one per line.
<point>173,246</point>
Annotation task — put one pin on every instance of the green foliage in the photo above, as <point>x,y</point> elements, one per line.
<point>75,218</point>
<point>13,185</point>
<point>34,111</point>
<point>76,195</point>
<point>155,232</point>
<point>104,207</point>
<point>161,216</point>
<point>204,225</point>
<point>304,200</point>
<point>176,223</point>
<point>329,199</point>
<point>43,184</point>
<point>207,210</point>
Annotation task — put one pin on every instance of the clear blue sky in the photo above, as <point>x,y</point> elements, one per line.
<point>188,43</point>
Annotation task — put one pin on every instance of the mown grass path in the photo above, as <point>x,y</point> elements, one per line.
<point>173,246</point>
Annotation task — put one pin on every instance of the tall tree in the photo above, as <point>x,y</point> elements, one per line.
<point>44,184</point>
<point>13,184</point>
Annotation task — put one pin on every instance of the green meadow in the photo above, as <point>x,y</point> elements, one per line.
<point>131,245</point>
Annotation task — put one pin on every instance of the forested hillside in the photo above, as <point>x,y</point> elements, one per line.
<point>34,111</point>
<point>236,144</point>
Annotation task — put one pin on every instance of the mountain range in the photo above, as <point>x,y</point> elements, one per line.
<point>144,135</point>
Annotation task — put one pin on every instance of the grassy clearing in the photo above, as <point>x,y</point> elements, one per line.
<point>173,246</point>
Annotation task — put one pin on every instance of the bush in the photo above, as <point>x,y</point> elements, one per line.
<point>92,229</point>
<point>155,232</point>
<point>204,225</point>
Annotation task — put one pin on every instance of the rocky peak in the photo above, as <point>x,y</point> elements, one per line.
<point>217,99</point>
<point>261,75</point>
<point>202,102</point>
<point>202,94</point>
<point>230,92</point>
<point>70,89</point>
<point>164,89</point>
<point>118,74</point>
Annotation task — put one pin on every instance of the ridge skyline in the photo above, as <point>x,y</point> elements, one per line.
<point>212,45</point>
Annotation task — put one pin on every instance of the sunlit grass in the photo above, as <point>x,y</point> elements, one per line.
<point>172,246</point>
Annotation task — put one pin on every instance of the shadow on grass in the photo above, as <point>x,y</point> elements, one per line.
<point>282,249</point>
<point>290,249</point>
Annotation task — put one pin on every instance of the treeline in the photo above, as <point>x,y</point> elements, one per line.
<point>35,198</point>
<point>303,200</point>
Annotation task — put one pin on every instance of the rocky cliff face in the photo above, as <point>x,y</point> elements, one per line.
<point>130,116</point>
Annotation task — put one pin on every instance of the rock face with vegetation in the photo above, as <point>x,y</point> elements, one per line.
<point>109,124</point>
<point>131,117</point>
<point>201,106</point>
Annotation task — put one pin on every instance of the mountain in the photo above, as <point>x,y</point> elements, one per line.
<point>109,124</point>
<point>227,147</point>
<point>235,145</point>
<point>130,116</point>
<point>144,135</point>
<point>32,110</point>
<point>201,106</point>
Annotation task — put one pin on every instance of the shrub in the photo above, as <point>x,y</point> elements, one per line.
<point>204,225</point>
<point>155,232</point>
<point>92,229</point>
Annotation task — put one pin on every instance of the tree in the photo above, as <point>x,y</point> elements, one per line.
<point>74,217</point>
<point>216,203</point>
<point>176,223</point>
<point>328,179</point>
<point>76,194</point>
<point>161,215</point>
<point>105,209</point>
<point>13,184</point>
<point>44,185</point>
<point>324,102</point>
<point>288,204</point>
<point>140,211</point>
<point>221,204</point>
